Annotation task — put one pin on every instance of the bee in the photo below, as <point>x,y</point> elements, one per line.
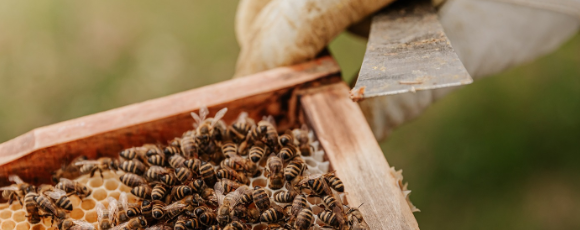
<point>207,173</point>
<point>71,187</point>
<point>32,208</point>
<point>137,152</point>
<point>16,191</point>
<point>133,166</point>
<point>241,127</point>
<point>205,127</point>
<point>193,164</point>
<point>227,185</point>
<point>158,210</point>
<point>305,219</point>
<point>69,171</point>
<point>317,183</point>
<point>214,227</point>
<point>273,214</point>
<point>72,224</point>
<point>274,165</point>
<point>303,140</point>
<point>155,172</point>
<point>133,224</point>
<point>266,128</point>
<point>183,174</point>
<point>132,180</point>
<point>294,168</point>
<point>103,163</point>
<point>181,223</point>
<point>285,197</point>
<point>207,218</point>
<point>104,217</point>
<point>200,210</point>
<point>142,191</point>
<point>189,146</point>
<point>181,191</point>
<point>227,173</point>
<point>157,159</point>
<point>240,164</point>
<point>228,202</point>
<point>330,218</point>
<point>235,225</point>
<point>229,149</point>
<point>298,204</point>
<point>146,208</point>
<point>288,152</point>
<point>174,209</point>
<point>118,209</point>
<point>261,198</point>
<point>330,202</point>
<point>61,200</point>
<point>159,191</point>
<point>257,151</point>
<point>240,211</point>
<point>253,215</point>
<point>287,138</point>
<point>192,223</point>
<point>334,182</point>
<point>176,160</point>
<point>356,220</point>
<point>169,178</point>
<point>275,226</point>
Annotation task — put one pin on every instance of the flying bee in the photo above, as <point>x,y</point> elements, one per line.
<point>159,191</point>
<point>61,200</point>
<point>183,174</point>
<point>103,163</point>
<point>181,191</point>
<point>305,219</point>
<point>72,187</point>
<point>16,191</point>
<point>207,173</point>
<point>241,127</point>
<point>72,224</point>
<point>287,138</point>
<point>132,180</point>
<point>303,140</point>
<point>261,198</point>
<point>104,217</point>
<point>294,168</point>
<point>205,127</point>
<point>285,196</point>
<point>229,149</point>
<point>356,220</point>
<point>273,214</point>
<point>133,224</point>
<point>133,166</point>
<point>257,151</point>
<point>155,172</point>
<point>69,171</point>
<point>288,152</point>
<point>266,128</point>
<point>31,208</point>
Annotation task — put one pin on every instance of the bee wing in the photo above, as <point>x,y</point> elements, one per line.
<point>124,200</point>
<point>55,193</point>
<point>87,162</point>
<point>219,115</point>
<point>81,224</point>
<point>242,117</point>
<point>304,128</point>
<point>120,226</point>
<point>10,188</point>
<point>113,207</point>
<point>100,211</point>
<point>270,120</point>
<point>16,179</point>
<point>197,119</point>
<point>218,188</point>
<point>203,112</point>
<point>174,205</point>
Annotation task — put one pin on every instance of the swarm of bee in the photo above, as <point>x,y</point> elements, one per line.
<point>237,177</point>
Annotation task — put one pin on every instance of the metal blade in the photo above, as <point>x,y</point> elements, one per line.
<point>408,51</point>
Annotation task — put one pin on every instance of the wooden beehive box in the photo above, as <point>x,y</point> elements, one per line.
<point>312,92</point>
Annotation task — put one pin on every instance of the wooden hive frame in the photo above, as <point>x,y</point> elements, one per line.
<point>311,92</point>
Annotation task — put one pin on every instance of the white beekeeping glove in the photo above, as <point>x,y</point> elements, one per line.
<point>488,35</point>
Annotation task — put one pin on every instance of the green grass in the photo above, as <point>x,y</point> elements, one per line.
<point>499,154</point>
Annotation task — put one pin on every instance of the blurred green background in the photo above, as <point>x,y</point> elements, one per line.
<point>500,154</point>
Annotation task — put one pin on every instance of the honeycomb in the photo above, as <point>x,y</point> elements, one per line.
<point>13,216</point>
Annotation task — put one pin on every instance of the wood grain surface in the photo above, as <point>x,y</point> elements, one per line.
<point>357,157</point>
<point>34,155</point>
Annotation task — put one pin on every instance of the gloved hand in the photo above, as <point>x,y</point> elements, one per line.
<point>489,37</point>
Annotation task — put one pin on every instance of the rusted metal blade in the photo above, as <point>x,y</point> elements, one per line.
<point>408,51</point>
